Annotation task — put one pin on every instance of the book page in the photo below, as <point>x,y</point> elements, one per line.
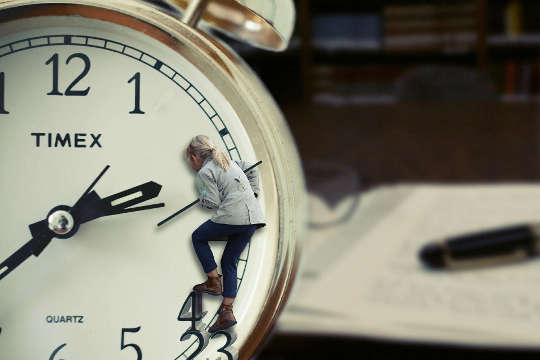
<point>378,287</point>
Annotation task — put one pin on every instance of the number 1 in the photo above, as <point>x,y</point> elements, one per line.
<point>137,78</point>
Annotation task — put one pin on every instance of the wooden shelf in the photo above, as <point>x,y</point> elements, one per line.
<point>525,40</point>
<point>520,99</point>
<point>472,48</point>
<point>451,141</point>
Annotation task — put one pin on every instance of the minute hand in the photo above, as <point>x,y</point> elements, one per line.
<point>93,207</point>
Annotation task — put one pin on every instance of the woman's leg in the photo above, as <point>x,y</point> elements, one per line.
<point>200,238</point>
<point>205,233</point>
<point>235,245</point>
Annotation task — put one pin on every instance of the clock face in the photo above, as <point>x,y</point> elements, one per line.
<point>76,94</point>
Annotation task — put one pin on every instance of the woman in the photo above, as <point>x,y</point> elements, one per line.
<point>223,186</point>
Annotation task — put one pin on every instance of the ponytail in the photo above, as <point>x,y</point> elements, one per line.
<point>202,146</point>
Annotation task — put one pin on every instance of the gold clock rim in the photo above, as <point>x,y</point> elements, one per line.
<point>247,21</point>
<point>240,86</point>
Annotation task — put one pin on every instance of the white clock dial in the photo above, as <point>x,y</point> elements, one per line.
<point>79,93</point>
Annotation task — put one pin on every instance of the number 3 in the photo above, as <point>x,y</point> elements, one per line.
<point>231,338</point>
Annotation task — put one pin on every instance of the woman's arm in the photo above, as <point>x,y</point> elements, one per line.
<point>208,191</point>
<point>252,176</point>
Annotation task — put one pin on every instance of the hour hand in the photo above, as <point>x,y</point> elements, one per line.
<point>33,247</point>
<point>92,206</point>
<point>17,258</point>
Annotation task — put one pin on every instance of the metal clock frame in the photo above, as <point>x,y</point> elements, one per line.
<point>285,206</point>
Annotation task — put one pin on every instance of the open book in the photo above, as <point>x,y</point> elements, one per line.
<point>363,277</point>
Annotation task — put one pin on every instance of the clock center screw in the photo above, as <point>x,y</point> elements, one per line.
<point>61,222</point>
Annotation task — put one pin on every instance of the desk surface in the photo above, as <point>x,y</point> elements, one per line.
<point>367,148</point>
<point>363,277</point>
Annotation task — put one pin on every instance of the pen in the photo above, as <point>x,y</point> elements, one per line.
<point>502,245</point>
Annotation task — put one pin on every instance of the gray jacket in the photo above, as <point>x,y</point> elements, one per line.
<point>231,193</point>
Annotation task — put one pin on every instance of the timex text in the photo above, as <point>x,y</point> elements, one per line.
<point>78,140</point>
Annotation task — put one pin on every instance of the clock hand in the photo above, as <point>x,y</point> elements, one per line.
<point>93,207</point>
<point>16,259</point>
<point>76,205</point>
<point>119,202</point>
<point>63,221</point>
<point>42,236</point>
<point>42,233</point>
<point>178,212</point>
<point>23,253</point>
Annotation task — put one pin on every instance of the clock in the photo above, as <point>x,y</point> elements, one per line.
<point>98,100</point>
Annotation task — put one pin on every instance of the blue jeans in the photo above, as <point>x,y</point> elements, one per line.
<point>238,237</point>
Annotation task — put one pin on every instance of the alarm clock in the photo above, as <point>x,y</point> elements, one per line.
<point>116,89</point>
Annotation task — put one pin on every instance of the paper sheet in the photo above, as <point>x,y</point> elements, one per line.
<point>372,283</point>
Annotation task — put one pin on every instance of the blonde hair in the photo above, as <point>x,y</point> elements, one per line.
<point>203,147</point>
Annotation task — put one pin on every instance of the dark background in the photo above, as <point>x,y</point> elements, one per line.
<point>462,107</point>
<point>403,92</point>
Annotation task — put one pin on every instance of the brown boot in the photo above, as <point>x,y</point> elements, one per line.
<point>225,319</point>
<point>211,286</point>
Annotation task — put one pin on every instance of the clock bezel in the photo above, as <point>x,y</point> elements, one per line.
<point>249,99</point>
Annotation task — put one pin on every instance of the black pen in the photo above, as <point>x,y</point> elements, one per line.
<point>503,245</point>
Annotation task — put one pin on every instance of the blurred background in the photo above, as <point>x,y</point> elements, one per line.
<point>391,87</point>
<point>385,92</point>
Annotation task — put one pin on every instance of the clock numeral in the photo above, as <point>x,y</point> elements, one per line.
<point>192,311</point>
<point>202,338</point>
<point>2,94</point>
<point>54,60</point>
<point>136,347</point>
<point>231,338</point>
<point>193,302</point>
<point>137,79</point>
<point>85,71</point>
<point>52,357</point>
<point>69,90</point>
